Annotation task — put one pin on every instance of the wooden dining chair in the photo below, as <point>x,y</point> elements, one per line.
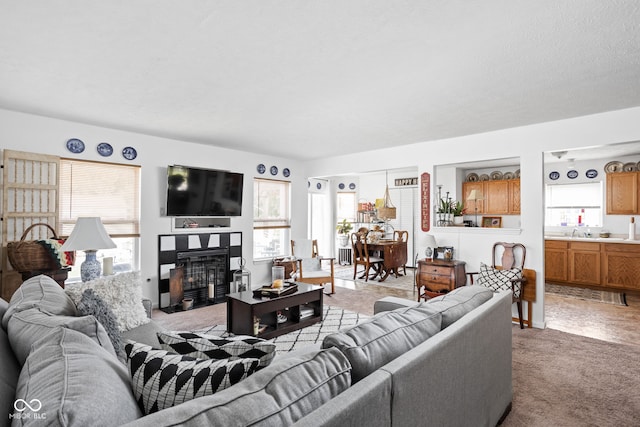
<point>505,277</point>
<point>401,236</point>
<point>361,256</point>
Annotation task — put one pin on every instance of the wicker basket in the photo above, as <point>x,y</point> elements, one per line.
<point>30,255</point>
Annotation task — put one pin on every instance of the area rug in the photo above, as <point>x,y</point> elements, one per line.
<point>333,319</point>
<point>615,298</point>
<point>405,281</point>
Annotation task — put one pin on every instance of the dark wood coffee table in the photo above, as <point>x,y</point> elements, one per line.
<point>301,309</point>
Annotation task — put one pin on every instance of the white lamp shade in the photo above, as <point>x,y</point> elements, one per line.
<point>430,241</point>
<point>475,195</point>
<point>88,235</point>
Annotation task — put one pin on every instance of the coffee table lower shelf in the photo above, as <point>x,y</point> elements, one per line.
<point>243,308</point>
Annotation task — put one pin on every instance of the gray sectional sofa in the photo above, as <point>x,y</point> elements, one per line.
<point>444,362</point>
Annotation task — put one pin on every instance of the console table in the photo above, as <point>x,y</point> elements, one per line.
<point>438,277</point>
<point>243,307</point>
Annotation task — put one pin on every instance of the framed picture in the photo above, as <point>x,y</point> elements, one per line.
<point>492,221</point>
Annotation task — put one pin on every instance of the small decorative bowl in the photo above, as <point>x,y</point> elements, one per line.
<point>605,235</point>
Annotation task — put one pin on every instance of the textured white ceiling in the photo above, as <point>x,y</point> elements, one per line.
<point>308,79</point>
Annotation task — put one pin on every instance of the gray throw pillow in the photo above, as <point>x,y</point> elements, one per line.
<point>77,382</point>
<point>27,327</point>
<point>92,305</point>
<point>376,341</point>
<point>203,346</point>
<point>41,292</point>
<point>161,379</point>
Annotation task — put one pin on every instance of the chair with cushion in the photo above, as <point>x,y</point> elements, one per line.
<point>310,263</point>
<point>507,276</point>
<point>361,256</point>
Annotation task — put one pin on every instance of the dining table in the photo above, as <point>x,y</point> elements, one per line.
<point>393,253</point>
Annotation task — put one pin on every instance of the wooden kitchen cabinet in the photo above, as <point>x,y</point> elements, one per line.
<point>607,266</point>
<point>621,266</point>
<point>514,196</point>
<point>584,263</point>
<point>622,193</point>
<point>500,197</point>
<point>497,197</point>
<point>555,260</point>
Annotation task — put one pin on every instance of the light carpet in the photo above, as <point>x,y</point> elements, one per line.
<point>615,298</point>
<point>333,319</point>
<point>405,281</point>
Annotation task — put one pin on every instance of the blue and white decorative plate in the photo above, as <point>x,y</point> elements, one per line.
<point>318,186</point>
<point>261,168</point>
<point>341,186</point>
<point>286,172</point>
<point>352,186</point>
<point>591,173</point>
<point>572,174</point>
<point>274,170</point>
<point>129,153</point>
<point>105,149</point>
<point>75,145</point>
<point>554,175</point>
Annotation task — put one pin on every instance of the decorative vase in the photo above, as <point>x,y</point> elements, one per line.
<point>343,239</point>
<point>458,220</point>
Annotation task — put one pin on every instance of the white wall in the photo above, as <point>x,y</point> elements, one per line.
<point>527,143</point>
<point>37,134</point>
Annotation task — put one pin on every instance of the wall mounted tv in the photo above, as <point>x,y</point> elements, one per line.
<point>203,192</point>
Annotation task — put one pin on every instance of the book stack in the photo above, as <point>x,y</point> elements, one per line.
<point>306,312</point>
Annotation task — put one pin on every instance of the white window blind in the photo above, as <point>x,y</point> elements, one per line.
<point>108,190</point>
<point>271,218</point>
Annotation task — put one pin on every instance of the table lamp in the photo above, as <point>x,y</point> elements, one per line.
<point>88,235</point>
<point>475,195</point>
<point>431,246</point>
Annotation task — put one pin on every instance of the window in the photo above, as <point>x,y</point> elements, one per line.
<point>271,218</point>
<point>574,205</point>
<point>110,191</point>
<point>346,207</point>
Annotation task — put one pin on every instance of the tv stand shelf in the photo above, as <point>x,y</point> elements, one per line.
<point>189,224</point>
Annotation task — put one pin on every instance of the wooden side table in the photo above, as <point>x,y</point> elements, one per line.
<point>438,277</point>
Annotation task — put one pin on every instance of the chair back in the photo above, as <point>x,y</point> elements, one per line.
<point>304,248</point>
<point>359,243</point>
<point>513,254</point>
<point>401,235</point>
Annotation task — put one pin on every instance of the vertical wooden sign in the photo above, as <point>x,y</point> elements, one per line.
<point>425,201</point>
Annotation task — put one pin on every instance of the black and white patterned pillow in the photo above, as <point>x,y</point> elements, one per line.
<point>500,280</point>
<point>204,346</point>
<point>161,379</point>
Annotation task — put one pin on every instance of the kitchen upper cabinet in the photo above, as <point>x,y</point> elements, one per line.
<point>501,197</point>
<point>514,196</point>
<point>622,193</point>
<point>497,197</point>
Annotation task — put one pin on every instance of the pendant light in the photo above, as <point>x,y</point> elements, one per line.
<point>387,211</point>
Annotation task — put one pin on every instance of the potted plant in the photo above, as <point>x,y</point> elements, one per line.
<point>457,210</point>
<point>343,229</point>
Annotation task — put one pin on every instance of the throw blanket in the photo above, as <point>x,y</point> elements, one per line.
<point>62,259</point>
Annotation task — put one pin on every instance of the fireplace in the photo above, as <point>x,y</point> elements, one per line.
<point>198,266</point>
<point>201,275</point>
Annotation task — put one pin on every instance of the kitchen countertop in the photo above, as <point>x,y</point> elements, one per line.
<point>623,240</point>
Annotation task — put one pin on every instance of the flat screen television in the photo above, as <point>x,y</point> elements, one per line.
<point>203,192</point>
